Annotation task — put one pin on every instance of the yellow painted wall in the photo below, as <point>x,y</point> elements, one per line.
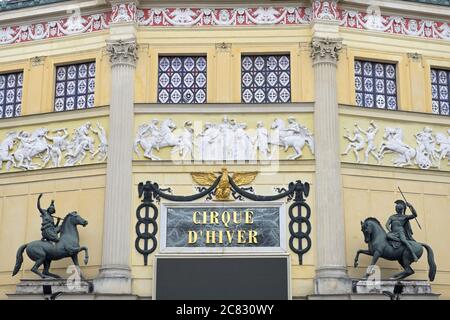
<point>80,189</point>
<point>371,192</point>
<point>178,178</point>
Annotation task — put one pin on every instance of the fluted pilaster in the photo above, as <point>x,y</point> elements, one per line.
<point>115,275</point>
<point>331,273</point>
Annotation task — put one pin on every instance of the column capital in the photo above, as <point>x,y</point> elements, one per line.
<point>325,50</point>
<point>122,52</point>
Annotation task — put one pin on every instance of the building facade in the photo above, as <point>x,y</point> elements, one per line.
<point>98,96</point>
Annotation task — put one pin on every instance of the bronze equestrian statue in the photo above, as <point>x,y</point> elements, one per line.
<point>398,244</point>
<point>50,247</point>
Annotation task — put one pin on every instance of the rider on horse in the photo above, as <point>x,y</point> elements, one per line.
<point>49,229</point>
<point>399,227</point>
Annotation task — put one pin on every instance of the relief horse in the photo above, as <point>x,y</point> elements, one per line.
<point>5,146</point>
<point>150,137</point>
<point>282,137</point>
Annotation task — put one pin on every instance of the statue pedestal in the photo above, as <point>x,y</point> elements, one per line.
<point>408,287</point>
<point>384,290</point>
<point>48,289</point>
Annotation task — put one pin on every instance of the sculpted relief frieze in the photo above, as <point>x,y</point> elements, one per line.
<point>227,139</point>
<point>429,151</point>
<point>45,148</point>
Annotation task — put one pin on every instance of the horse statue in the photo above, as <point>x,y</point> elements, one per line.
<point>30,146</point>
<point>394,143</point>
<point>44,252</point>
<point>286,138</point>
<point>5,146</point>
<point>380,247</point>
<point>151,137</point>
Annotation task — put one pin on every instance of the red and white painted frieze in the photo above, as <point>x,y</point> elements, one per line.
<point>371,19</point>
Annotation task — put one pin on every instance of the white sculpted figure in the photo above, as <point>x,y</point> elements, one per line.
<point>32,145</point>
<point>226,142</point>
<point>185,146</point>
<point>295,136</point>
<point>261,141</point>
<point>151,137</point>
<point>148,137</point>
<point>102,150</point>
<point>59,145</point>
<point>426,149</point>
<point>356,143</point>
<point>371,147</point>
<point>394,143</point>
<point>244,146</point>
<point>207,142</point>
<point>5,146</point>
<point>79,144</point>
<point>444,146</point>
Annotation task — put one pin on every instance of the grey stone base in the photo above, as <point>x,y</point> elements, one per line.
<point>50,286</point>
<point>383,290</point>
<point>413,287</point>
<point>60,289</point>
<point>372,296</point>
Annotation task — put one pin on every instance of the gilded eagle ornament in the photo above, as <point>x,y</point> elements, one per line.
<point>223,190</point>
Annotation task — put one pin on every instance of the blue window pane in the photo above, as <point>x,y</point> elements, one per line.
<point>265,79</point>
<point>440,86</point>
<point>182,79</point>
<point>75,86</point>
<point>10,94</point>
<point>375,85</point>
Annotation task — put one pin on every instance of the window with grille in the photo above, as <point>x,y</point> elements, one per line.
<point>440,85</point>
<point>182,79</point>
<point>75,86</point>
<point>11,94</point>
<point>265,79</point>
<point>376,85</point>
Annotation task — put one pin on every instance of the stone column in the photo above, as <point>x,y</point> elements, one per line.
<point>115,273</point>
<point>331,273</point>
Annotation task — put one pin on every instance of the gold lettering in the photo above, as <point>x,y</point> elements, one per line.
<point>194,217</point>
<point>214,217</point>
<point>252,236</point>
<point>235,217</point>
<point>230,235</point>
<point>205,215</point>
<point>248,217</point>
<point>210,236</point>
<point>220,236</point>
<point>241,238</point>
<point>226,218</point>
<point>192,237</point>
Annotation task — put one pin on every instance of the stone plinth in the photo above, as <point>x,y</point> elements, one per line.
<point>49,288</point>
<point>409,286</point>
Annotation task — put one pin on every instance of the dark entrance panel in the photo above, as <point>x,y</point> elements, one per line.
<point>222,278</point>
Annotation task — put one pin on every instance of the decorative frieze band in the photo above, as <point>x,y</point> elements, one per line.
<point>322,10</point>
<point>430,150</point>
<point>44,148</point>
<point>188,17</point>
